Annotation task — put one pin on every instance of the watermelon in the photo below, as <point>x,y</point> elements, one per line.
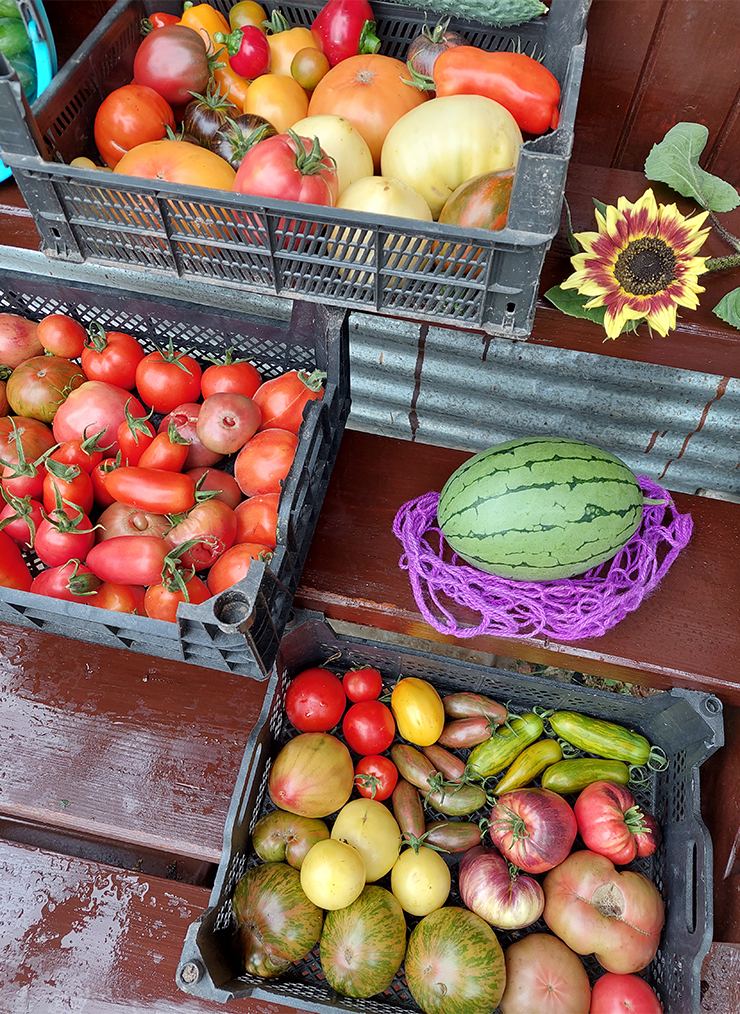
<point>540,508</point>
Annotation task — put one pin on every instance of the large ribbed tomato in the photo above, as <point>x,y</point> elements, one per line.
<point>371,92</point>
<point>177,162</point>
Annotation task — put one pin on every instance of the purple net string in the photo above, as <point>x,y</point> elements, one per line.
<point>567,609</point>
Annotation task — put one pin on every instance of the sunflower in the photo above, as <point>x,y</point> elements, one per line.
<point>641,264</point>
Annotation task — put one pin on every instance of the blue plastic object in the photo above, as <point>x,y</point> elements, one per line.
<point>44,51</point>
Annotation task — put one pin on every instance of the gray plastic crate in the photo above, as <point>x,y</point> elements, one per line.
<point>238,630</point>
<point>486,280</point>
<point>687,724</point>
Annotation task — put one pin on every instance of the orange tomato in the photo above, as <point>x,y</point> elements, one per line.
<point>368,90</point>
<point>279,99</point>
<point>177,162</point>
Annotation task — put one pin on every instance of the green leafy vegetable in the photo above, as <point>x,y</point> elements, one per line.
<point>675,161</point>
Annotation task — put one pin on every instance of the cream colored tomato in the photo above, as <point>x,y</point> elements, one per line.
<point>380,195</point>
<point>343,142</point>
<point>446,141</point>
<point>418,711</point>
<point>332,874</point>
<point>372,829</point>
<point>421,881</point>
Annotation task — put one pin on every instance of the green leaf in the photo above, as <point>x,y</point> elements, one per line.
<point>601,206</point>
<point>728,308</point>
<point>675,161</point>
<point>573,303</point>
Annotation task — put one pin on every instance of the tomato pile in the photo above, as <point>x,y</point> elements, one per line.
<point>409,829</point>
<point>255,105</point>
<point>137,480</point>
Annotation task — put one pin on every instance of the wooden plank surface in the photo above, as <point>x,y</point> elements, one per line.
<point>85,938</point>
<point>686,634</point>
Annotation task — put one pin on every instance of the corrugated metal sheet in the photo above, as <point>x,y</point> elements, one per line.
<point>457,389</point>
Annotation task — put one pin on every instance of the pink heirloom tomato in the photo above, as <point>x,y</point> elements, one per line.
<point>622,994</point>
<point>533,828</point>
<point>611,823</point>
<point>289,168</point>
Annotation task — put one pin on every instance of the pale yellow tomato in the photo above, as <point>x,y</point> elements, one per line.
<point>418,711</point>
<point>381,195</point>
<point>372,829</point>
<point>332,874</point>
<point>343,142</point>
<point>420,880</point>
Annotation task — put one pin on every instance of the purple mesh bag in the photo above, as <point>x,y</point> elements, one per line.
<point>455,598</point>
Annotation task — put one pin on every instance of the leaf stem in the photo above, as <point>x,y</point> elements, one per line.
<point>723,263</point>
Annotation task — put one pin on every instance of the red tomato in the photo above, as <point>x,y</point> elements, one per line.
<point>38,387</point>
<point>341,29</point>
<point>161,601</point>
<point>620,994</point>
<point>369,91</point>
<point>173,61</point>
<point>129,116</point>
<point>533,828</point>
<point>184,418</point>
<point>86,454</point>
<point>62,335</point>
<point>376,777</point>
<point>21,511</point>
<point>262,465</point>
<point>71,482</point>
<point>14,572</point>
<point>213,523</point>
<point>256,519</point>
<point>62,536</point>
<point>111,356</point>
<point>226,421</point>
<point>23,441</point>
<point>234,565</point>
<point>363,684</point>
<point>129,559</point>
<point>119,598</point>
<point>611,823</point>
<point>315,700</point>
<point>165,380</point>
<point>283,399</point>
<point>208,479</point>
<point>102,497</point>
<point>582,895</point>
<point>236,375</point>
<point>369,727</point>
<point>135,434</point>
<point>95,407</point>
<point>73,582</point>
<point>151,489</point>
<point>288,167</point>
<point>168,450</point>
<point>119,519</point>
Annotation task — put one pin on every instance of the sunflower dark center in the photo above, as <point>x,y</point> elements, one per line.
<point>645,266</point>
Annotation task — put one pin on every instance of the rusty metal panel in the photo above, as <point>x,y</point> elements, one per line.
<point>459,389</point>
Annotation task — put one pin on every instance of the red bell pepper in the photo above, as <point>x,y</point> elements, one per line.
<point>345,28</point>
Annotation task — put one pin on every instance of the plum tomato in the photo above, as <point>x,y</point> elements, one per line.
<point>369,727</point>
<point>376,776</point>
<point>363,684</point>
<point>263,463</point>
<point>315,700</point>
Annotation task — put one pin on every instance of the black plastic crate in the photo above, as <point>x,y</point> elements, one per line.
<point>486,280</point>
<point>238,630</point>
<point>687,725</point>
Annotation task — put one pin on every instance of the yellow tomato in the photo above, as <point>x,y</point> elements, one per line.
<point>332,874</point>
<point>346,146</point>
<point>420,880</point>
<point>285,42</point>
<point>418,711</point>
<point>278,98</point>
<point>372,829</point>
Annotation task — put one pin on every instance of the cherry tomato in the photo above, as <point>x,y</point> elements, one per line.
<point>237,375</point>
<point>369,727</point>
<point>234,565</point>
<point>315,700</point>
<point>263,463</point>
<point>128,116</point>
<point>111,356</point>
<point>119,598</point>
<point>166,379</point>
<point>129,559</point>
<point>62,335</point>
<point>308,67</point>
<point>247,12</point>
<point>256,519</point>
<point>283,399</point>
<point>151,489</point>
<point>376,777</point>
<point>363,684</point>
<point>161,601</point>
<point>14,572</point>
